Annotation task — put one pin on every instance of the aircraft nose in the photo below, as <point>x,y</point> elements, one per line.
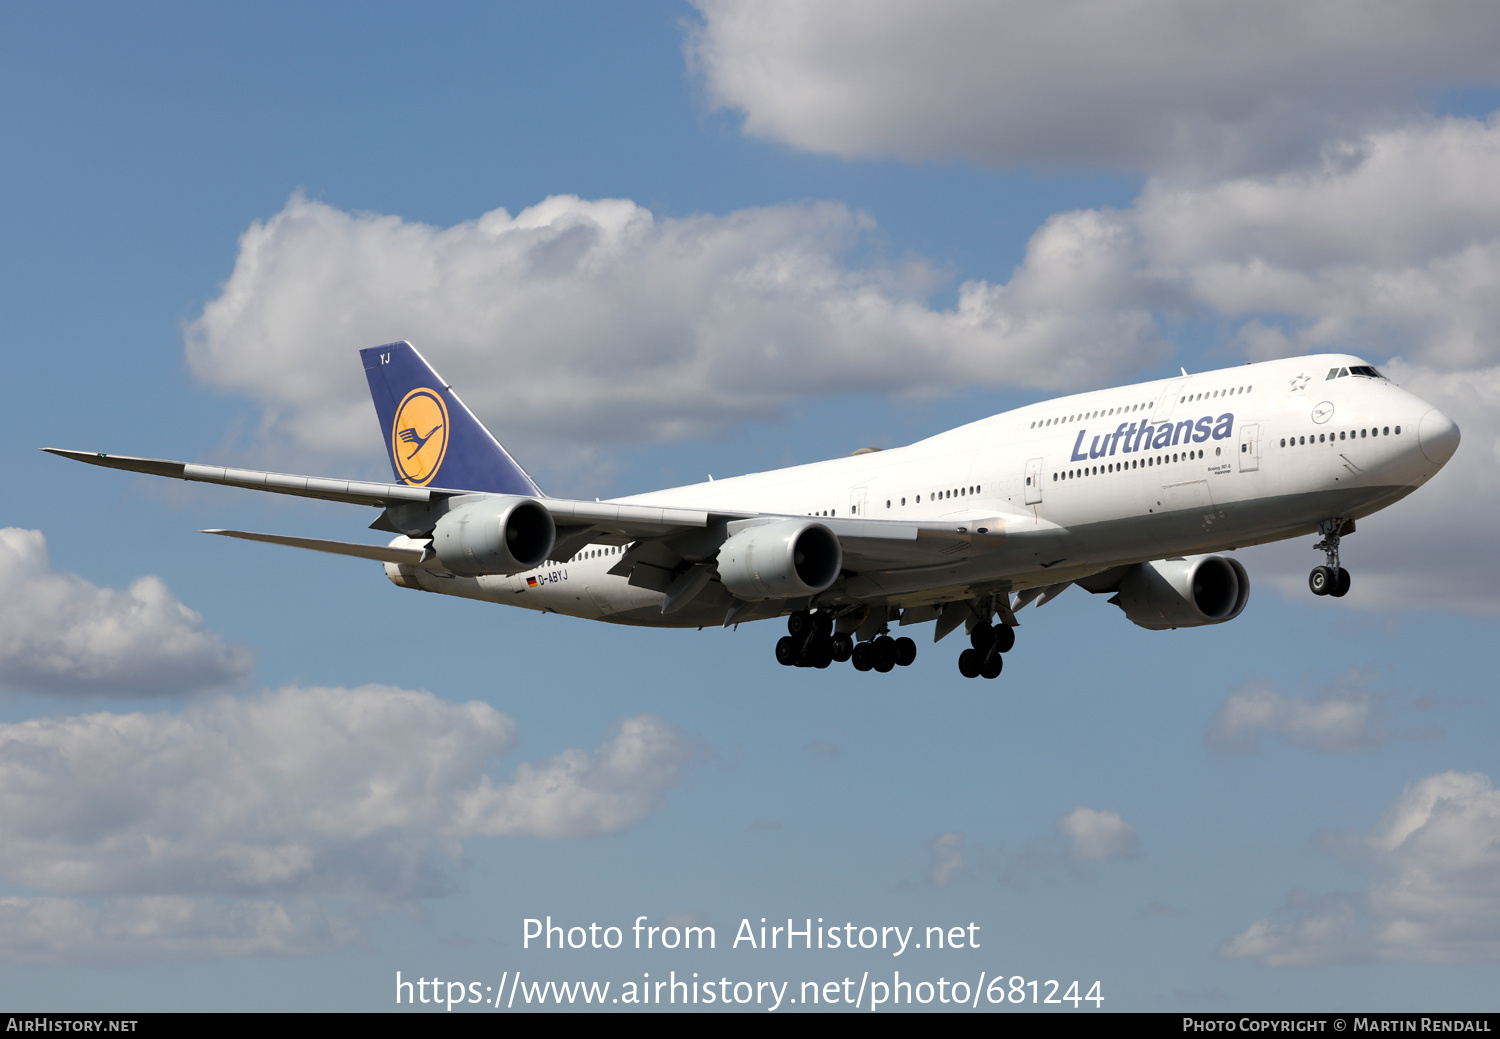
<point>1438,436</point>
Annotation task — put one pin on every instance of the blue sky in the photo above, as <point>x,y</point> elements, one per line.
<point>208,212</point>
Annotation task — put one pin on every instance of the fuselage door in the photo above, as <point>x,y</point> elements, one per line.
<point>1168,400</point>
<point>1249,449</point>
<point>857,501</point>
<point>1033,481</point>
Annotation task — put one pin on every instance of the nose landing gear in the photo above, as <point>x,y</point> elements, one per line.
<point>1331,579</point>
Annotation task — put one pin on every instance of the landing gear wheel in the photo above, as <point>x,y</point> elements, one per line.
<point>981,637</point>
<point>1341,587</point>
<point>1331,579</point>
<point>885,654</point>
<point>787,651</point>
<point>1005,638</point>
<point>906,651</point>
<point>1321,580</point>
<point>798,623</point>
<point>843,648</point>
<point>992,666</point>
<point>863,657</point>
<point>968,663</point>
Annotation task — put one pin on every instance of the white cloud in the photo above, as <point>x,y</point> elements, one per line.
<point>580,322</point>
<point>1435,894</point>
<point>578,793</point>
<point>312,791</point>
<point>59,633</point>
<point>1347,715</point>
<point>1390,241</point>
<point>1097,835</point>
<point>947,851</point>
<point>127,930</point>
<point>1388,244</point>
<point>302,793</point>
<point>1164,84</point>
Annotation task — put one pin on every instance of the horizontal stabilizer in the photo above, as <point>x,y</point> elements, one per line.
<point>422,557</point>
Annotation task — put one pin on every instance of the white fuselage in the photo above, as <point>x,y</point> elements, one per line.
<point>1194,464</point>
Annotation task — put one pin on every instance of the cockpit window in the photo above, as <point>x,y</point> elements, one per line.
<point>1366,371</point>
<point>1333,373</point>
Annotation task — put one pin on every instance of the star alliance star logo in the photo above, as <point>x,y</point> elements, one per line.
<point>1299,383</point>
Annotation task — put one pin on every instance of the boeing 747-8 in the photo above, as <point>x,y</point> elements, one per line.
<point>1132,491</point>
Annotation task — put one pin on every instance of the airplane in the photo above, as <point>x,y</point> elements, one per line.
<point>1133,491</point>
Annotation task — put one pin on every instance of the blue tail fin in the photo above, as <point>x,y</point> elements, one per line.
<point>430,436</point>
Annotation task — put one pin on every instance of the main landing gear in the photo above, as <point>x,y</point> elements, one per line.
<point>987,643</point>
<point>810,642</point>
<point>1331,579</point>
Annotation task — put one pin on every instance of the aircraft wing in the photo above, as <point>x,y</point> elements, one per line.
<point>869,544</point>
<point>621,520</point>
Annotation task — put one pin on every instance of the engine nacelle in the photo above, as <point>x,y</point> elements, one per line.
<point>783,560</point>
<point>502,535</point>
<point>1185,592</point>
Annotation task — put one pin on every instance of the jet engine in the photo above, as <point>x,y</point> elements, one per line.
<point>501,535</point>
<point>783,560</point>
<point>1183,592</point>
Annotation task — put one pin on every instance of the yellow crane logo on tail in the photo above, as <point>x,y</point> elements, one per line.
<point>419,436</point>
